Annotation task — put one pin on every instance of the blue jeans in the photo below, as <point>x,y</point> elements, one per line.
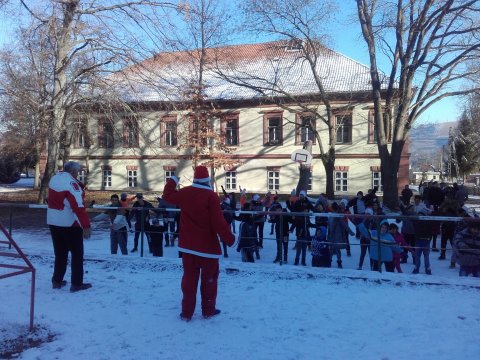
<point>466,270</point>
<point>423,247</point>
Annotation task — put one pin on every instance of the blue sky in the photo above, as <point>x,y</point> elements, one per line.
<point>346,39</point>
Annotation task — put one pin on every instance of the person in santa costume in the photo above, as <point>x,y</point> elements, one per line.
<point>201,225</point>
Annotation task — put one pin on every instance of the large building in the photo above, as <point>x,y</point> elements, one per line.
<point>243,83</point>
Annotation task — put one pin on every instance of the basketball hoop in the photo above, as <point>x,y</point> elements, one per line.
<point>301,156</point>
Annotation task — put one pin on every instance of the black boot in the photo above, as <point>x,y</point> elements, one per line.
<point>339,262</point>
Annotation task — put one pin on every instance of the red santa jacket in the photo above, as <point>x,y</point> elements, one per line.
<point>66,200</point>
<point>201,219</point>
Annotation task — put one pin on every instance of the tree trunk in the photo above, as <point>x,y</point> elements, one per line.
<point>36,176</point>
<point>329,165</point>
<point>56,122</point>
<point>305,170</point>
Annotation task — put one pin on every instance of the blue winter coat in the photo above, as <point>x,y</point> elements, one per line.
<point>387,246</point>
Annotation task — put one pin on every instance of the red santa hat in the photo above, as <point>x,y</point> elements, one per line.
<point>201,174</point>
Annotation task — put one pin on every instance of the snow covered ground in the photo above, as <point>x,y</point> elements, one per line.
<point>268,311</point>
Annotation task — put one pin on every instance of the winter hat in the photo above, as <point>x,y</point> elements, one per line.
<point>201,174</point>
<point>226,200</point>
<point>344,202</point>
<point>139,196</point>
<point>123,195</point>
<point>256,197</point>
<point>303,193</point>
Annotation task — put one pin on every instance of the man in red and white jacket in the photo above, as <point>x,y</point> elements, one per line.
<point>201,219</point>
<point>69,224</point>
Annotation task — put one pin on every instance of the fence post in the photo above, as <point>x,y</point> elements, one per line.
<point>10,227</point>
<point>280,243</point>
<point>379,247</point>
<point>142,229</point>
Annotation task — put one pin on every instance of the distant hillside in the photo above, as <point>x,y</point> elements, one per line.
<point>430,137</point>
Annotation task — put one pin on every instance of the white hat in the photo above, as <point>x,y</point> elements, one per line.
<point>256,197</point>
<point>303,193</point>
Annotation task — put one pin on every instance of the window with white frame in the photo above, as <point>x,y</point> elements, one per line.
<point>231,132</point>
<point>310,182</point>
<point>273,129</point>
<point>377,180</point>
<point>305,129</point>
<point>231,180</point>
<point>341,181</point>
<point>344,128</point>
<point>169,174</point>
<point>82,176</point>
<point>107,178</point>
<point>273,180</point>
<point>132,178</point>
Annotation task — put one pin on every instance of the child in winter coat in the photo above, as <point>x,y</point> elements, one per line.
<point>400,240</point>
<point>338,232</point>
<point>156,230</point>
<point>281,223</point>
<point>382,246</point>
<point>467,248</point>
<point>321,256</point>
<point>247,239</point>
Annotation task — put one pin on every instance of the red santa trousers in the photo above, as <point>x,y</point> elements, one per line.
<point>193,267</point>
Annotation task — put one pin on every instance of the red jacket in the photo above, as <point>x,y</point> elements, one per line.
<point>201,219</point>
<point>66,202</point>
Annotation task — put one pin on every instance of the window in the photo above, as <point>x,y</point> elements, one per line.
<point>372,134</point>
<point>341,181</point>
<point>229,129</point>
<point>344,128</point>
<point>82,176</point>
<point>310,181</point>
<point>231,180</point>
<point>105,134</point>
<point>273,180</point>
<point>198,130</point>
<point>80,134</point>
<point>168,130</point>
<point>377,180</point>
<point>272,129</point>
<point>132,178</point>
<point>305,129</point>
<point>130,133</point>
<point>169,174</point>
<point>106,178</point>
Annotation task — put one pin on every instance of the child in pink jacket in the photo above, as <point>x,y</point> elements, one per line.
<point>400,240</point>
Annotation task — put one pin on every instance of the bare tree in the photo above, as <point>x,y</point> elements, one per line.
<point>83,47</point>
<point>301,27</point>
<point>177,74</point>
<point>429,44</point>
<point>24,74</point>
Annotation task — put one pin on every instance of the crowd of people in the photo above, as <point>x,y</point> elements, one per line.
<point>388,243</point>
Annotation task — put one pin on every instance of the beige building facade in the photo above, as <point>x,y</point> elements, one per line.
<point>138,153</point>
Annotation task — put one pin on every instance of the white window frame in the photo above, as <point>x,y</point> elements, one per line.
<point>377,180</point>
<point>107,178</point>
<point>310,182</point>
<point>273,180</point>
<point>170,133</point>
<point>274,132</point>
<point>230,180</point>
<point>341,181</point>
<point>82,175</point>
<point>168,174</point>
<point>132,178</point>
